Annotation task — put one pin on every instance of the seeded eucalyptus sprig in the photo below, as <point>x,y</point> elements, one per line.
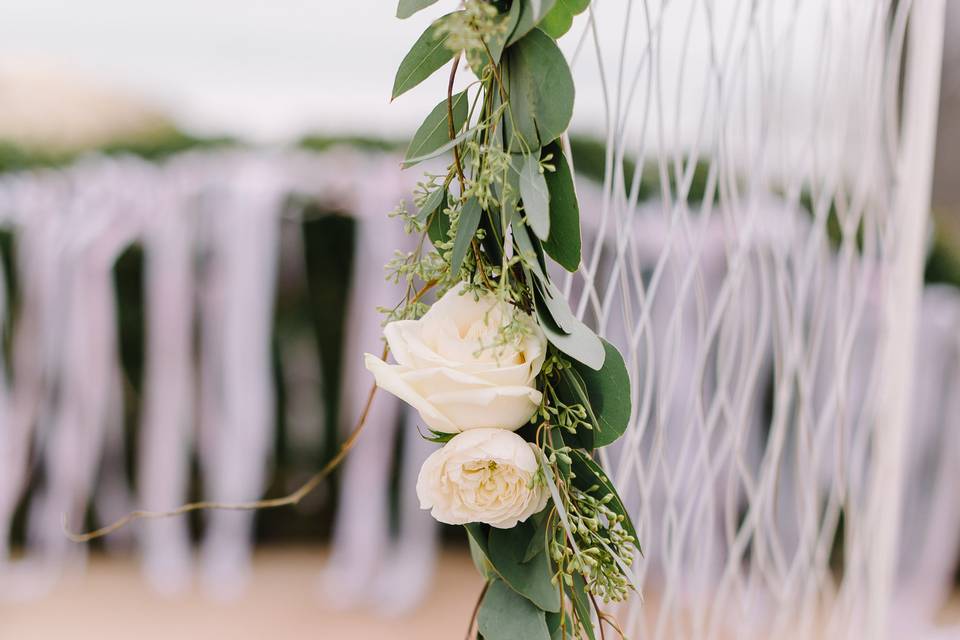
<point>504,206</point>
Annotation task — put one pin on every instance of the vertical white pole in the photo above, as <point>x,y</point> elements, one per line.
<point>911,205</point>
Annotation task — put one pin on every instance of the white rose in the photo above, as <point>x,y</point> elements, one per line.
<point>451,370</point>
<point>483,475</point>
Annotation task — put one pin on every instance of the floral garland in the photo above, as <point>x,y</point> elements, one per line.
<point>519,392</point>
<point>515,388</point>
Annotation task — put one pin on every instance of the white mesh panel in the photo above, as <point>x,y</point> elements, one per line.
<point>760,269</point>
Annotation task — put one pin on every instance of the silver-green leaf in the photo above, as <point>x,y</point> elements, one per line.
<point>536,198</point>
<point>531,13</point>
<point>531,578</point>
<point>407,8</point>
<point>541,92</point>
<point>439,151</point>
<point>427,54</point>
<point>431,204</point>
<point>506,615</point>
<point>608,390</point>
<point>466,230</point>
<point>565,331</point>
<point>563,243</point>
<point>435,130</point>
<point>560,19</point>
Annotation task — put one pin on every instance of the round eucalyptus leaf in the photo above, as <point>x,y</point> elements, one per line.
<point>506,615</point>
<point>541,92</point>
<point>407,8</point>
<point>560,19</point>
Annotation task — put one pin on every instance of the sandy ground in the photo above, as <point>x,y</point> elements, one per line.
<point>112,602</point>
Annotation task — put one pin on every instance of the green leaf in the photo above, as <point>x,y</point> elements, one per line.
<point>428,54</point>
<point>480,560</point>
<point>509,203</point>
<point>432,203</point>
<point>580,345</point>
<point>435,130</point>
<point>563,243</point>
<point>531,579</point>
<point>505,615</point>
<point>564,330</point>
<point>560,19</point>
<point>439,151</point>
<point>529,246</point>
<point>589,473</point>
<point>608,391</point>
<point>492,241</point>
<point>407,8</point>
<point>536,198</point>
<point>536,544</point>
<point>531,13</point>
<point>581,605</point>
<point>466,230</point>
<point>541,92</point>
<point>554,627</point>
<point>436,437</point>
<point>439,229</point>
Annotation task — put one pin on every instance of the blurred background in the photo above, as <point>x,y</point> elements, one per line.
<point>154,353</point>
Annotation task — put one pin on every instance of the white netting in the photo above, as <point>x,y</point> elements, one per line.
<point>756,252</point>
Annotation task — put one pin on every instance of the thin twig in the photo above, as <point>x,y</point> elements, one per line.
<point>596,608</point>
<point>450,125</point>
<point>610,620</point>
<point>476,610</point>
<point>270,503</point>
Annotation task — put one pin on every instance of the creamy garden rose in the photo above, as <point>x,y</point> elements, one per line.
<point>450,371</point>
<point>482,475</point>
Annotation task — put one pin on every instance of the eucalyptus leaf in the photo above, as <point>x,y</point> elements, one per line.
<point>608,390</point>
<point>527,247</point>
<point>466,230</point>
<point>510,199</point>
<point>407,8</point>
<point>575,339</point>
<point>581,605</point>
<point>531,579</point>
<point>439,151</point>
<point>505,615</point>
<point>480,560</point>
<point>439,229</point>
<point>563,243</point>
<point>541,92</point>
<point>555,628</point>
<point>558,307</point>
<point>492,241</point>
<point>589,473</point>
<point>531,13</point>
<point>435,130</point>
<point>560,19</point>
<point>428,54</point>
<point>537,542</point>
<point>536,198</point>
<point>431,204</point>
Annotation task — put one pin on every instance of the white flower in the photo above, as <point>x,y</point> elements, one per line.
<point>451,369</point>
<point>483,475</point>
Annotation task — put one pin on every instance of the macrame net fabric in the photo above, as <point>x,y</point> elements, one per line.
<point>756,252</point>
